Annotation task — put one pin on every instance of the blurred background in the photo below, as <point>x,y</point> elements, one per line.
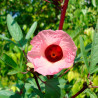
<point>80,19</point>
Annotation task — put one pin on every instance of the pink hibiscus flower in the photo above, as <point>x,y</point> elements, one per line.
<point>52,51</point>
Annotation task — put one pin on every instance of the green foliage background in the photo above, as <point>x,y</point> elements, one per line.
<point>81,18</point>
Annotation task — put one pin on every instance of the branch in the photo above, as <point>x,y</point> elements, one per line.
<point>40,79</point>
<point>94,87</point>
<point>55,2</point>
<point>66,71</point>
<point>47,1</point>
<point>37,82</point>
<point>88,75</point>
<point>23,51</point>
<point>24,72</point>
<point>63,12</point>
<point>50,76</point>
<point>32,71</point>
<point>24,54</point>
<point>85,86</point>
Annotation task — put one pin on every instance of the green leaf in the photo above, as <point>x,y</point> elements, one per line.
<point>31,31</point>
<point>8,94</point>
<point>51,88</point>
<point>13,72</point>
<point>94,51</point>
<point>21,59</point>
<point>5,94</point>
<point>91,93</point>
<point>38,93</point>
<point>62,83</point>
<point>35,93</point>
<point>76,34</point>
<point>66,96</point>
<point>9,61</point>
<point>7,39</point>
<point>14,28</point>
<point>95,69</point>
<point>71,75</point>
<point>94,2</point>
<point>84,55</point>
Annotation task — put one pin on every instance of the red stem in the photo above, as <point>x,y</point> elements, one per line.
<point>35,77</point>
<point>94,87</point>
<point>37,82</point>
<point>88,76</point>
<point>40,78</point>
<point>63,11</point>
<point>23,51</point>
<point>85,86</point>
<point>47,1</point>
<point>66,71</point>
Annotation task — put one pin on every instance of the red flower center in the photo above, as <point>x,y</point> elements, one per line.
<point>54,53</point>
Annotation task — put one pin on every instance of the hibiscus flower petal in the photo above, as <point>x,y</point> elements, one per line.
<point>68,47</point>
<point>48,38</point>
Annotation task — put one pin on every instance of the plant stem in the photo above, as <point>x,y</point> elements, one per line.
<point>63,12</point>
<point>32,71</point>
<point>94,87</point>
<point>47,1</point>
<point>23,51</point>
<point>66,71</point>
<point>24,72</point>
<point>24,54</point>
<point>37,82</point>
<point>40,79</point>
<point>85,86</point>
<point>88,75</point>
<point>35,77</point>
<point>50,76</point>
